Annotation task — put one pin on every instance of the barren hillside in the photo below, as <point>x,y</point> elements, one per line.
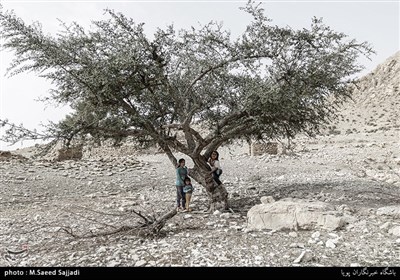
<point>376,100</point>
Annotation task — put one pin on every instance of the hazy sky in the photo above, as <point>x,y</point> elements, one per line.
<point>377,22</point>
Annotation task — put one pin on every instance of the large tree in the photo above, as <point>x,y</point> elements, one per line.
<point>191,90</point>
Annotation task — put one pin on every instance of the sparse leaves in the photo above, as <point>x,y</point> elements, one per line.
<point>271,82</point>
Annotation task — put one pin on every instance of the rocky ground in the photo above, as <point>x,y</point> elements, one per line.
<point>355,167</point>
<point>43,202</point>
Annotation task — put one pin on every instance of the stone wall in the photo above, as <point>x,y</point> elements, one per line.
<point>260,148</point>
<point>69,153</point>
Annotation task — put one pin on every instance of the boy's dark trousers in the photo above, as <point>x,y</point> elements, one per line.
<point>180,197</point>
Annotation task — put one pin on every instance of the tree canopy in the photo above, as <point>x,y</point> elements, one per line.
<point>188,90</point>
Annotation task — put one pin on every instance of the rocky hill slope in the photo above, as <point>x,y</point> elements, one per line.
<point>376,100</point>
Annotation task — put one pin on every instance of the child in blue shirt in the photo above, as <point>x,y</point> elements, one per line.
<point>188,190</point>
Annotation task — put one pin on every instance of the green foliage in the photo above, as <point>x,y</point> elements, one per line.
<point>270,82</point>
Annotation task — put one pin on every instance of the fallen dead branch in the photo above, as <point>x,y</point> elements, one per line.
<point>150,226</point>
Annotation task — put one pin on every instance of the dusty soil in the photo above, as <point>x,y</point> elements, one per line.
<point>43,202</point>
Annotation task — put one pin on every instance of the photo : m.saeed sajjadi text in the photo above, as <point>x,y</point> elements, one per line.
<point>42,272</point>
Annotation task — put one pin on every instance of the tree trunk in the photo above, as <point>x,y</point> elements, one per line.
<point>218,195</point>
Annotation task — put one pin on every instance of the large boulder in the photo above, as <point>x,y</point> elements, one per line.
<point>295,214</point>
<point>392,211</point>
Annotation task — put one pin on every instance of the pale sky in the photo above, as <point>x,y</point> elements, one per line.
<point>377,22</point>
